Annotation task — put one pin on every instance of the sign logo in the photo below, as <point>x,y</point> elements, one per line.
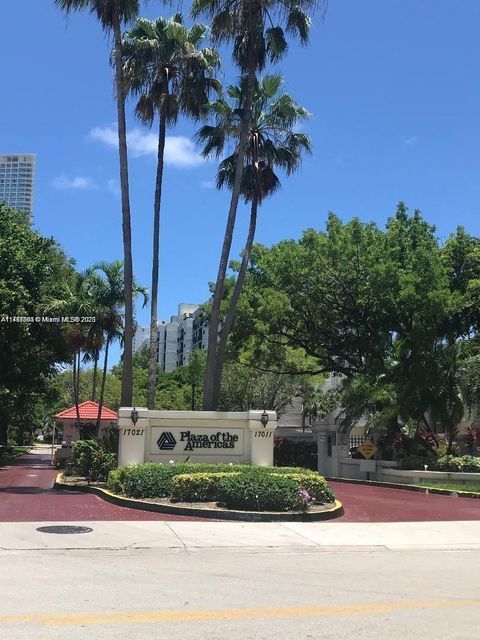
<point>166,441</point>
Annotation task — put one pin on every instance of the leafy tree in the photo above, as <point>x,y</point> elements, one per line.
<point>111,14</point>
<point>169,74</point>
<point>272,144</point>
<point>32,269</point>
<point>257,33</point>
<point>390,310</point>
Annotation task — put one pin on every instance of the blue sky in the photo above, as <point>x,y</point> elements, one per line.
<point>393,89</point>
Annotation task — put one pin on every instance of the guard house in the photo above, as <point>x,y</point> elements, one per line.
<point>67,419</point>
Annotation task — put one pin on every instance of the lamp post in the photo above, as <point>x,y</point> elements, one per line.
<point>264,418</point>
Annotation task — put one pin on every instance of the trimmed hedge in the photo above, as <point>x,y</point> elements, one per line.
<point>451,464</point>
<point>197,487</point>
<point>152,480</point>
<point>243,487</point>
<point>258,492</point>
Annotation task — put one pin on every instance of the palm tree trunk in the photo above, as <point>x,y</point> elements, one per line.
<point>79,368</point>
<point>95,369</point>
<point>209,401</point>
<point>230,315</point>
<point>127,364</point>
<point>152,358</point>
<point>102,386</point>
<point>75,390</point>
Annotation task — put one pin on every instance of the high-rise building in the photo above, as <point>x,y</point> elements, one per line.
<point>17,175</point>
<point>177,338</point>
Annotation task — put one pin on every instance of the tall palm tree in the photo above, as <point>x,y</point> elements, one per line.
<point>111,14</point>
<point>257,30</point>
<point>272,144</point>
<point>169,74</point>
<point>108,290</point>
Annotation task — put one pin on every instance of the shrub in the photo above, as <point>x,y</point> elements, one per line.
<point>197,487</point>
<point>416,463</point>
<point>296,454</point>
<point>315,485</point>
<point>91,460</point>
<point>152,480</point>
<point>258,492</point>
<point>449,463</point>
<point>471,464</point>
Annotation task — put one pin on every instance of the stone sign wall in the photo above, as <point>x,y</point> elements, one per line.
<point>199,436</point>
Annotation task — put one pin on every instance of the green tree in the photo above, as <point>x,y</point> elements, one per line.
<point>108,291</point>
<point>111,14</point>
<point>32,269</point>
<point>272,144</point>
<point>169,74</point>
<point>257,33</point>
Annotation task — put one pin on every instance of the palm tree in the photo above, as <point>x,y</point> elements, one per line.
<point>272,144</point>
<point>169,74</point>
<point>257,30</point>
<point>111,14</point>
<point>108,291</point>
<point>75,299</point>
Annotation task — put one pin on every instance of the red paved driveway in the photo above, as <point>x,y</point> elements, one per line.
<point>26,495</point>
<point>364,503</point>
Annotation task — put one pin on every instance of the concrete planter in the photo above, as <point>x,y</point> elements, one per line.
<point>407,476</point>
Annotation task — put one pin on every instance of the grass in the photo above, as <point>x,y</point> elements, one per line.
<point>472,487</point>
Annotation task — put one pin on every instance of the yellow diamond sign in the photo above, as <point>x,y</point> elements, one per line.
<point>367,449</point>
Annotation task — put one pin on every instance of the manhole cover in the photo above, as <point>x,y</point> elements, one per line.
<point>64,528</point>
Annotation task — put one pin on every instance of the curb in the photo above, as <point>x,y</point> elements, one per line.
<point>171,509</point>
<point>409,487</point>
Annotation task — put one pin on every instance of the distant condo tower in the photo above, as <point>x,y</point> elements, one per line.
<point>17,175</point>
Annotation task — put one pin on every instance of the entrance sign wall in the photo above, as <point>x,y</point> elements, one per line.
<point>200,436</point>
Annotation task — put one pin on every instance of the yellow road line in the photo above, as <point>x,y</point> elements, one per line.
<point>236,614</point>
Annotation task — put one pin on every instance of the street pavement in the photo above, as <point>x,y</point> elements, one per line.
<point>239,594</point>
<point>140,575</point>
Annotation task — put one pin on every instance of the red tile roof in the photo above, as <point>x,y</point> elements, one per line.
<point>88,411</point>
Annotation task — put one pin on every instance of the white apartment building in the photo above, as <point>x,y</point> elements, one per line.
<point>177,338</point>
<point>17,176</point>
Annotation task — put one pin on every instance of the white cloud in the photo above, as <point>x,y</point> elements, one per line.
<point>409,142</point>
<point>207,184</point>
<point>180,151</point>
<point>62,182</point>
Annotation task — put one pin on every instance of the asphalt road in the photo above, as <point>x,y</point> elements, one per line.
<point>238,594</point>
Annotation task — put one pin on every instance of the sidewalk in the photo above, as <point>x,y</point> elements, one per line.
<point>192,536</point>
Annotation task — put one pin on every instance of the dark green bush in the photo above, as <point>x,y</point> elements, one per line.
<point>258,492</point>
<point>253,491</point>
<point>196,487</point>
<point>91,460</point>
<point>416,463</point>
<point>295,454</point>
